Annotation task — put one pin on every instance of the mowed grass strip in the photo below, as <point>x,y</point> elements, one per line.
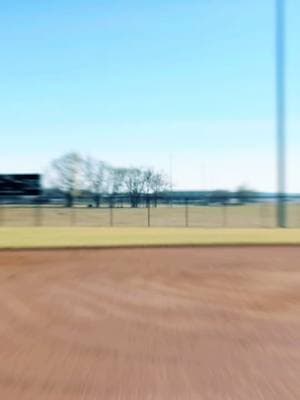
<point>13,238</point>
<point>245,216</point>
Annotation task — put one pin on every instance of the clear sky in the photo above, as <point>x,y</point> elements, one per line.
<point>136,81</point>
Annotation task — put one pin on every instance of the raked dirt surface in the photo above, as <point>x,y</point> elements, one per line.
<point>132,324</point>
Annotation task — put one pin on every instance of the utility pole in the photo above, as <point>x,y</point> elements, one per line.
<point>171,175</point>
<point>280,113</point>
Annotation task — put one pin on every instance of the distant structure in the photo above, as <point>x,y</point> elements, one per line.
<point>12,185</point>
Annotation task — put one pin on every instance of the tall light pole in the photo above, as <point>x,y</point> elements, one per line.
<point>171,171</point>
<point>280,112</point>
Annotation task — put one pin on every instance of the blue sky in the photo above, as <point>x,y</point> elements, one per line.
<point>133,82</point>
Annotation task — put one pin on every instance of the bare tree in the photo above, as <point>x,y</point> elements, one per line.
<point>116,177</point>
<point>134,181</point>
<point>141,181</point>
<point>155,183</point>
<point>95,177</point>
<point>245,195</point>
<point>148,178</point>
<point>114,182</point>
<point>66,174</point>
<point>71,173</point>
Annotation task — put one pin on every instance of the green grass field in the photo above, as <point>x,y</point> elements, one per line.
<point>12,238</point>
<point>247,216</point>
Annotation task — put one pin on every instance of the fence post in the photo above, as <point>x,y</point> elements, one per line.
<point>260,210</point>
<point>186,213</point>
<point>37,215</point>
<point>263,215</point>
<point>111,214</point>
<point>224,209</point>
<point>2,220</point>
<point>148,213</point>
<point>73,215</point>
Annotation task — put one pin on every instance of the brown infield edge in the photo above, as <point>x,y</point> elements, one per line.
<point>148,246</point>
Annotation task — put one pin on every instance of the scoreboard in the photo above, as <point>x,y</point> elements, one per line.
<point>20,185</point>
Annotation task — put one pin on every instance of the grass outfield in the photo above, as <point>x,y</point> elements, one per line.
<point>13,238</point>
<point>247,216</point>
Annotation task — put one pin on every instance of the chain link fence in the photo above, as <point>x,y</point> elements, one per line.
<point>148,214</point>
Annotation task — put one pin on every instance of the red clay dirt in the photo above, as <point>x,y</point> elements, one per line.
<point>198,323</point>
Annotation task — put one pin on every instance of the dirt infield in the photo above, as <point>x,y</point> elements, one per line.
<point>197,323</point>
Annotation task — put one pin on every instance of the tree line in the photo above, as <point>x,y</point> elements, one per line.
<point>75,174</point>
